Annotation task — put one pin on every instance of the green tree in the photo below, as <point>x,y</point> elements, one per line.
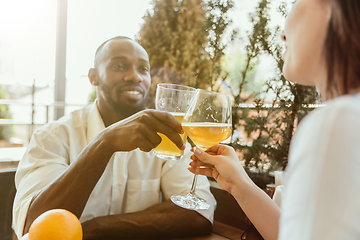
<point>175,42</point>
<point>234,63</point>
<point>215,26</point>
<point>5,131</point>
<point>183,39</point>
<point>270,124</point>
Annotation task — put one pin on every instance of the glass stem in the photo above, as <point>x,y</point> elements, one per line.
<point>193,186</point>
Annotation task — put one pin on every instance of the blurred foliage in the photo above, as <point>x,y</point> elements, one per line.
<point>184,41</point>
<point>216,24</point>
<point>5,131</point>
<point>233,65</point>
<point>268,125</point>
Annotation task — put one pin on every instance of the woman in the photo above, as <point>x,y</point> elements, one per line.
<point>321,198</point>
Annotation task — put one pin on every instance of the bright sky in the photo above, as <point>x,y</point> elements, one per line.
<point>28,35</point>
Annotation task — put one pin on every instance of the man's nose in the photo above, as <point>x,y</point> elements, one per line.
<point>134,76</point>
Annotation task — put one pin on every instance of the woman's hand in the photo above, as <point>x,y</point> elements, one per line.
<point>221,163</point>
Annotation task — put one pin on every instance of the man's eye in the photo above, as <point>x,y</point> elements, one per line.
<point>119,67</point>
<point>144,69</point>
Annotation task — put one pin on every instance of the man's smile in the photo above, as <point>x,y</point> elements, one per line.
<point>133,94</point>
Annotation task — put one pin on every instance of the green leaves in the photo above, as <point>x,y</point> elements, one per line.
<point>184,40</point>
<point>270,124</point>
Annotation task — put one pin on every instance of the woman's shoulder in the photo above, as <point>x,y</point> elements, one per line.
<point>337,109</point>
<point>348,102</point>
<point>338,119</point>
<point>326,135</point>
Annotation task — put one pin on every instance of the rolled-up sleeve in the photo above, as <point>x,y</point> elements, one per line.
<point>41,164</point>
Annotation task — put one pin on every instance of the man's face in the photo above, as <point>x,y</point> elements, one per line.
<point>123,76</point>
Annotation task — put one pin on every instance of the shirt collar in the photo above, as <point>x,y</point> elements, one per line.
<point>95,123</point>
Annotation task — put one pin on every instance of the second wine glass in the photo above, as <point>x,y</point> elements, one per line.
<point>207,122</point>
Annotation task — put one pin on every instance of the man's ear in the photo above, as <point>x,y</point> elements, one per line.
<point>93,77</point>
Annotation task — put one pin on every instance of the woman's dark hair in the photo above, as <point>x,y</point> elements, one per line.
<point>342,48</point>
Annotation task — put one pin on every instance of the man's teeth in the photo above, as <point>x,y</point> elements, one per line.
<point>133,92</point>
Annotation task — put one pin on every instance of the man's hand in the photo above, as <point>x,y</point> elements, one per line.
<point>72,189</point>
<point>140,131</point>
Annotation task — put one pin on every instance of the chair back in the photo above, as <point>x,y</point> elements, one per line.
<point>7,194</point>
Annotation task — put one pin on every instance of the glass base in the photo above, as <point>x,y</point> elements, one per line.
<point>167,157</point>
<point>190,201</point>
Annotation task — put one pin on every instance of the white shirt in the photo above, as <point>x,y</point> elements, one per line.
<point>322,181</point>
<point>132,181</point>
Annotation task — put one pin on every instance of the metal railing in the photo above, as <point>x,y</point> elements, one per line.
<point>269,105</point>
<point>47,108</point>
<point>32,123</point>
<point>20,129</point>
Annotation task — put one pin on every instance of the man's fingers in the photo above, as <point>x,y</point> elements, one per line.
<point>151,122</point>
<point>168,119</point>
<point>173,136</point>
<point>168,125</point>
<point>149,140</point>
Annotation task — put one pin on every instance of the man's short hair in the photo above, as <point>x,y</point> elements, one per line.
<point>102,45</point>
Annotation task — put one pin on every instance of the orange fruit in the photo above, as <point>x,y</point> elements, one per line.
<point>56,224</point>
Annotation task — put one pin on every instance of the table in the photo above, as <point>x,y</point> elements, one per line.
<point>220,231</point>
<point>226,231</point>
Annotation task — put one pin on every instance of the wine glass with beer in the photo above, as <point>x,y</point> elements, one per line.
<point>207,122</point>
<point>175,99</point>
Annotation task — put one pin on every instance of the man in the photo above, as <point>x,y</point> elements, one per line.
<point>96,162</point>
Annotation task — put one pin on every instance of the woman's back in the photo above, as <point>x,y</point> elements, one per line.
<point>322,183</point>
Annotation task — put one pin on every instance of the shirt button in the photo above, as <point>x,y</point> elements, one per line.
<point>118,185</point>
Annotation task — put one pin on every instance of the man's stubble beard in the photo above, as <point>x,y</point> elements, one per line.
<point>123,110</point>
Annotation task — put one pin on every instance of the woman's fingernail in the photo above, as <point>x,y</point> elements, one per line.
<point>183,147</point>
<point>197,151</point>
